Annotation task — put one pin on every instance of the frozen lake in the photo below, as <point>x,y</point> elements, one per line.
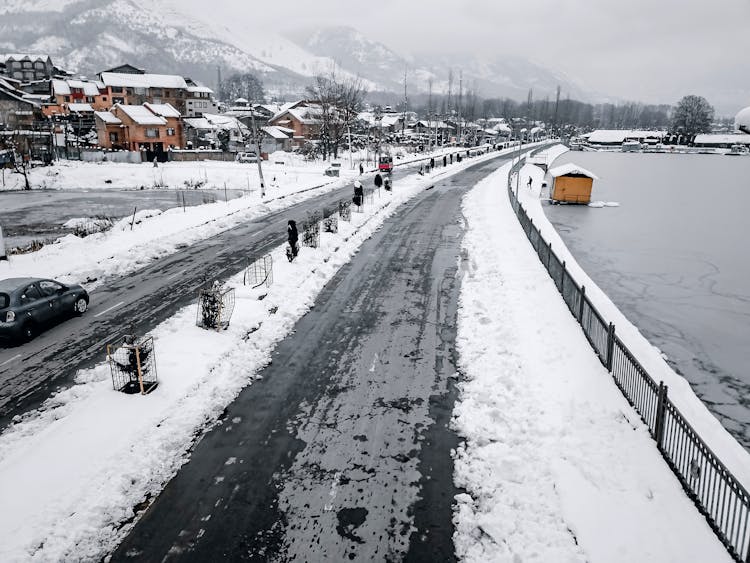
<point>674,258</point>
<point>40,214</point>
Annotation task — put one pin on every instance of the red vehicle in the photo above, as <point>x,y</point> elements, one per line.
<point>385,164</point>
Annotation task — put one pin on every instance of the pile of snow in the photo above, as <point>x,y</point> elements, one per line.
<point>72,471</point>
<point>556,465</point>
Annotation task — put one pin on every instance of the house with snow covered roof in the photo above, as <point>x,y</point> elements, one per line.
<point>65,92</point>
<point>304,118</point>
<point>28,67</point>
<point>148,127</point>
<point>616,137</point>
<point>200,100</point>
<point>215,130</point>
<point>135,89</point>
<point>17,111</point>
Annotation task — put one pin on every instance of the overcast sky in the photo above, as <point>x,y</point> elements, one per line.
<point>647,50</point>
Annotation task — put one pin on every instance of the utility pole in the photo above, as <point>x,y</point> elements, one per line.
<point>406,104</point>
<point>258,159</point>
<point>557,105</point>
<point>460,101</point>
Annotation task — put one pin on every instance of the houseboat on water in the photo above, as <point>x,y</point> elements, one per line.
<point>631,145</point>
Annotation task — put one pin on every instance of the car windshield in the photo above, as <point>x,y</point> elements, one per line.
<point>4,300</point>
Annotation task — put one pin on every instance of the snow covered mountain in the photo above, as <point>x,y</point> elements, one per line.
<point>499,76</point>
<point>176,36</point>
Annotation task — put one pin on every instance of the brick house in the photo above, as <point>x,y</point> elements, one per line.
<point>150,127</point>
<point>128,88</point>
<point>66,92</point>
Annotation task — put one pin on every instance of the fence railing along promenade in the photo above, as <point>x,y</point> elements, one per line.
<point>717,494</point>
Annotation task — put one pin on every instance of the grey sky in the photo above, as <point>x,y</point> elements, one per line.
<point>649,50</point>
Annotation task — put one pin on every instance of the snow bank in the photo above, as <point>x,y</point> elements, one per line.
<point>723,444</point>
<point>72,471</point>
<point>556,465</point>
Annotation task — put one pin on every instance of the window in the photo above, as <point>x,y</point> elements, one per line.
<point>18,74</point>
<point>30,294</point>
<point>4,300</point>
<point>16,64</point>
<point>117,89</point>
<point>104,98</point>
<point>39,65</point>
<point>152,133</point>
<point>26,64</point>
<point>139,91</point>
<point>113,137</point>
<point>156,91</point>
<point>67,98</point>
<point>50,288</point>
<point>90,99</point>
<point>129,91</point>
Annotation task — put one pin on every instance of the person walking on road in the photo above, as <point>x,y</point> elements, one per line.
<point>445,161</point>
<point>378,181</point>
<point>528,184</point>
<point>359,193</point>
<point>361,169</point>
<point>432,163</point>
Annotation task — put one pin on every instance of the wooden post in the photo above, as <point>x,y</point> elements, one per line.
<point>138,364</point>
<point>133,221</point>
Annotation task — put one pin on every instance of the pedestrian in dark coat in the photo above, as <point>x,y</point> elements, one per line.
<point>359,193</point>
<point>445,161</point>
<point>361,169</point>
<point>451,158</point>
<point>292,236</point>
<point>432,163</point>
<point>378,180</point>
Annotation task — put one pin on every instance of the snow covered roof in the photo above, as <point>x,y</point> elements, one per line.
<point>143,80</point>
<point>80,108</point>
<point>198,123</point>
<point>64,87</point>
<point>572,169</point>
<point>502,128</point>
<point>618,136</point>
<point>141,115</point>
<point>107,117</point>
<point>200,90</point>
<point>241,101</point>
<point>224,122</point>
<point>164,110</point>
<point>716,139</point>
<point>433,124</point>
<point>23,56</point>
<point>278,132</point>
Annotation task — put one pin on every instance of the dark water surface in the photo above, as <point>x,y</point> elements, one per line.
<point>674,259</point>
<point>40,214</point>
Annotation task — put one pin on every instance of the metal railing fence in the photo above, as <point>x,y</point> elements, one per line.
<point>717,494</point>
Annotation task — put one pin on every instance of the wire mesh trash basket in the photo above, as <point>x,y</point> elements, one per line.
<point>215,307</point>
<point>133,365</point>
<point>331,223</point>
<point>260,272</point>
<point>311,233</point>
<point>345,210</point>
<point>369,196</point>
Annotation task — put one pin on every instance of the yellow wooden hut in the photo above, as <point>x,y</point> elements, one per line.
<point>571,184</point>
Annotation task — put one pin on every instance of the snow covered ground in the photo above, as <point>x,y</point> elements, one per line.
<point>72,471</point>
<point>155,234</point>
<point>556,465</point>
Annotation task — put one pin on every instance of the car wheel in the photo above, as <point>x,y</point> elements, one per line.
<point>80,306</point>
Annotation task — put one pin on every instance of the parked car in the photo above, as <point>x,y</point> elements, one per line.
<point>246,157</point>
<point>333,170</point>
<point>28,305</point>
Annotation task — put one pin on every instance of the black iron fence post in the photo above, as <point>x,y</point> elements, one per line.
<point>660,409</point>
<point>549,254</point>
<point>610,346</point>
<point>580,307</point>
<point>562,279</point>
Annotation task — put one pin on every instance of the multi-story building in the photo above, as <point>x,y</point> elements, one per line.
<point>137,89</point>
<point>29,67</point>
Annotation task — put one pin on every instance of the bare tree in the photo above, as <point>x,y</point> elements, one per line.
<point>340,99</point>
<point>692,115</point>
<point>20,152</point>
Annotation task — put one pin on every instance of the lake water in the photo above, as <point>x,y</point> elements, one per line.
<point>674,258</point>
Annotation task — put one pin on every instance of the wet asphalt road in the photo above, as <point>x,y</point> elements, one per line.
<point>138,302</point>
<point>341,451</point>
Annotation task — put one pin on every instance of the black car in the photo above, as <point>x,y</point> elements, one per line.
<point>29,304</point>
